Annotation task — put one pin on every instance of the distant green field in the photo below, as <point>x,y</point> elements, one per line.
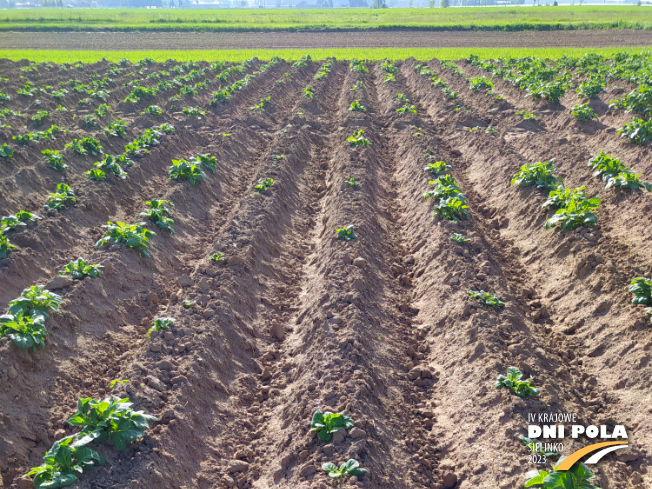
<point>491,18</point>
<point>294,54</point>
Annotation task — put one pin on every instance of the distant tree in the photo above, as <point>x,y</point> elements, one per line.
<point>379,4</point>
<point>444,3</point>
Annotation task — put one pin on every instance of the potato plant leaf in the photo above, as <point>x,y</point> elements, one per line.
<point>513,382</point>
<point>325,424</point>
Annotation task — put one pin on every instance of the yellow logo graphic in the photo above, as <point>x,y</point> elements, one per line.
<point>607,447</point>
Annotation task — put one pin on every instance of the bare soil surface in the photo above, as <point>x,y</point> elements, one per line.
<point>71,41</point>
<point>295,320</point>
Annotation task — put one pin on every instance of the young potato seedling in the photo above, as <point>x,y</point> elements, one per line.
<point>350,468</point>
<point>90,121</point>
<point>117,128</point>
<point>37,118</point>
<point>102,111</point>
<point>206,160</point>
<point>112,418</point>
<point>437,168</point>
<point>356,106</point>
<point>111,165</point>
<point>577,477</point>
<point>264,184</point>
<point>325,424</point>
<point>514,383</point>
<point>160,324</point>
<point>486,298</point>
<point>25,216</point>
<point>352,182</point>
<point>54,158</point>
<point>135,236</point>
<point>95,174</point>
<point>6,151</point>
<point>406,109</point>
<point>358,139</point>
<point>153,110</point>
<point>5,246</point>
<point>583,113</point>
<point>539,174</point>
<point>81,269</point>
<point>641,287</point>
<point>183,170</point>
<point>25,330</point>
<point>9,223</point>
<point>459,238</point>
<point>577,212</point>
<point>217,257</point>
<point>64,462</point>
<point>85,145</point>
<point>262,104</point>
<point>35,301</point>
<point>158,212</point>
<point>526,115</point>
<point>195,112</point>
<point>638,131</point>
<point>63,197</point>
<point>346,233</point>
<point>627,180</point>
<point>309,92</point>
<point>358,85</point>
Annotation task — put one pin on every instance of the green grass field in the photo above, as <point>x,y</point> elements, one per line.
<point>492,18</point>
<point>293,54</point>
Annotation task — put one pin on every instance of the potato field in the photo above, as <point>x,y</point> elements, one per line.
<point>242,249</point>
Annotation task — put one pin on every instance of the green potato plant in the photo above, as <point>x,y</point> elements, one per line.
<point>358,86</point>
<point>102,111</point>
<point>217,257</point>
<point>526,115</point>
<point>358,66</point>
<point>358,139</point>
<point>264,184</point>
<point>638,131</point>
<point>583,113</point>
<point>81,269</point>
<point>37,118</point>
<point>9,223</point>
<point>134,236</point>
<point>111,165</point>
<point>627,180</point>
<point>641,287</point>
<point>195,112</point>
<point>25,216</point>
<point>111,418</point>
<point>325,424</point>
<point>437,168</point>
<point>486,298</point>
<point>352,182</point>
<point>459,238</point>
<point>606,166</point>
<point>95,174</point>
<point>346,233</point>
<point>352,467</point>
<point>309,91</point>
<point>406,109</point>
<point>25,330</point>
<point>85,145</point>
<point>577,212</point>
<point>63,197</point>
<point>452,208</point>
<point>160,324</point>
<point>64,462</point>
<point>158,212</point>
<point>184,170</point>
<point>577,477</point>
<point>513,382</point>
<point>6,151</point>
<point>356,106</point>
<point>35,301</point>
<point>539,174</point>
<point>206,160</point>
<point>117,128</point>
<point>5,246</point>
<point>54,158</point>
<point>262,104</point>
<point>90,121</point>
<point>479,83</point>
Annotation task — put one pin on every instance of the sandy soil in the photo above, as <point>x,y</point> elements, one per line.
<point>297,40</point>
<point>380,327</point>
